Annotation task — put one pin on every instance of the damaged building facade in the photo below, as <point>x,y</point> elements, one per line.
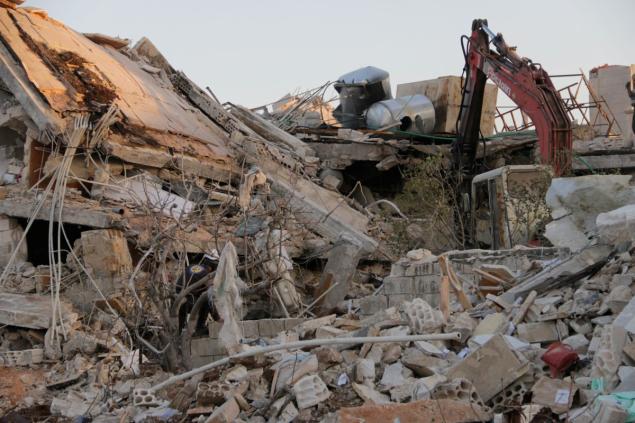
<point>166,257</point>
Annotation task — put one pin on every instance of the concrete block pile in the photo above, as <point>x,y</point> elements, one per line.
<point>166,257</point>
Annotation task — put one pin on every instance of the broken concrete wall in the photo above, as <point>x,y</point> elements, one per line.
<point>106,253</point>
<point>10,234</point>
<point>45,54</point>
<point>11,155</point>
<point>420,277</point>
<point>144,191</point>
<point>609,84</point>
<point>617,226</point>
<point>210,348</point>
<point>16,144</point>
<point>165,282</point>
<point>576,202</point>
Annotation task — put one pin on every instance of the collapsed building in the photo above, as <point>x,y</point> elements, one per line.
<point>165,256</point>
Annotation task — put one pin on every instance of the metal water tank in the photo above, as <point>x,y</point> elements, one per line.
<point>412,113</point>
<point>357,91</point>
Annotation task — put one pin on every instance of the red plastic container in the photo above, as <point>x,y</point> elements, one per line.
<point>559,357</point>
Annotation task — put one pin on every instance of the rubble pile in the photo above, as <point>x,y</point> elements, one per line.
<point>166,257</point>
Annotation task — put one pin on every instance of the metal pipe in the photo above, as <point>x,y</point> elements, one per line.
<point>489,32</point>
<point>452,336</point>
<point>413,113</point>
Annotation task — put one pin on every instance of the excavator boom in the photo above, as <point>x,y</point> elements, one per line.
<point>526,83</point>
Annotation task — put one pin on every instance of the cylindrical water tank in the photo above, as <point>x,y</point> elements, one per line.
<point>412,113</point>
<point>357,91</point>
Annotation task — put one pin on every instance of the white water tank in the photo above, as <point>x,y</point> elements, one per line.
<point>412,113</point>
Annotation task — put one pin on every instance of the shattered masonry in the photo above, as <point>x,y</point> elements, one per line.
<point>167,257</point>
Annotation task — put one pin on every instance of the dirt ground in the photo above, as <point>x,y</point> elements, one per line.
<point>15,385</point>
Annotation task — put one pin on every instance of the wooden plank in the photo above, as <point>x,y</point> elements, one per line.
<point>444,298</point>
<point>524,308</point>
<point>490,277</point>
<point>455,283</point>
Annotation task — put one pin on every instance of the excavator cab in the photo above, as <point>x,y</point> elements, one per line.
<point>508,206</point>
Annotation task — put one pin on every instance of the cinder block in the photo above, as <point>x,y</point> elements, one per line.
<point>270,327</point>
<point>396,299</point>
<point>214,329</point>
<point>250,328</point>
<point>538,332</point>
<point>426,284</point>
<point>213,393</point>
<point>206,347</point>
<point>9,240</point>
<point>198,361</point>
<point>21,358</point>
<point>144,398</point>
<point>459,389</point>
<point>511,395</point>
<point>459,266</point>
<point>310,391</point>
<point>288,414</point>
<point>432,299</point>
<point>398,285</point>
<point>556,394</point>
<point>7,223</point>
<point>373,304</point>
<point>292,323</point>
<point>495,359</point>
<point>422,318</point>
<point>423,269</point>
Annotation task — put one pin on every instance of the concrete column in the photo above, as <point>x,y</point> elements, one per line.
<point>340,268</point>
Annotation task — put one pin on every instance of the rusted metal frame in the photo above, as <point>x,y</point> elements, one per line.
<point>606,114</point>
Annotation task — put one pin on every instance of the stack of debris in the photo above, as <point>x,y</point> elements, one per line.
<point>168,258</point>
<point>555,341</point>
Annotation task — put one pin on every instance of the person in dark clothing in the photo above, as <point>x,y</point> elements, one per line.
<point>191,275</point>
<point>630,88</point>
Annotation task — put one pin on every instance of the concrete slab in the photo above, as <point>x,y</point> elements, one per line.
<point>497,361</point>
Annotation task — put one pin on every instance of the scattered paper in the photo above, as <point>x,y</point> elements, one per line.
<point>342,379</point>
<point>562,396</point>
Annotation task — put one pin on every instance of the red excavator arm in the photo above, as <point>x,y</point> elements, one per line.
<point>526,83</point>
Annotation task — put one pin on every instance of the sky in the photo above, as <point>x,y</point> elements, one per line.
<point>254,52</point>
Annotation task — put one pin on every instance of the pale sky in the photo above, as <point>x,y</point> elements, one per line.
<point>253,52</point>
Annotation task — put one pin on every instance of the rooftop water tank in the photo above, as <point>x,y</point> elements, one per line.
<point>357,91</point>
<point>412,113</point>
